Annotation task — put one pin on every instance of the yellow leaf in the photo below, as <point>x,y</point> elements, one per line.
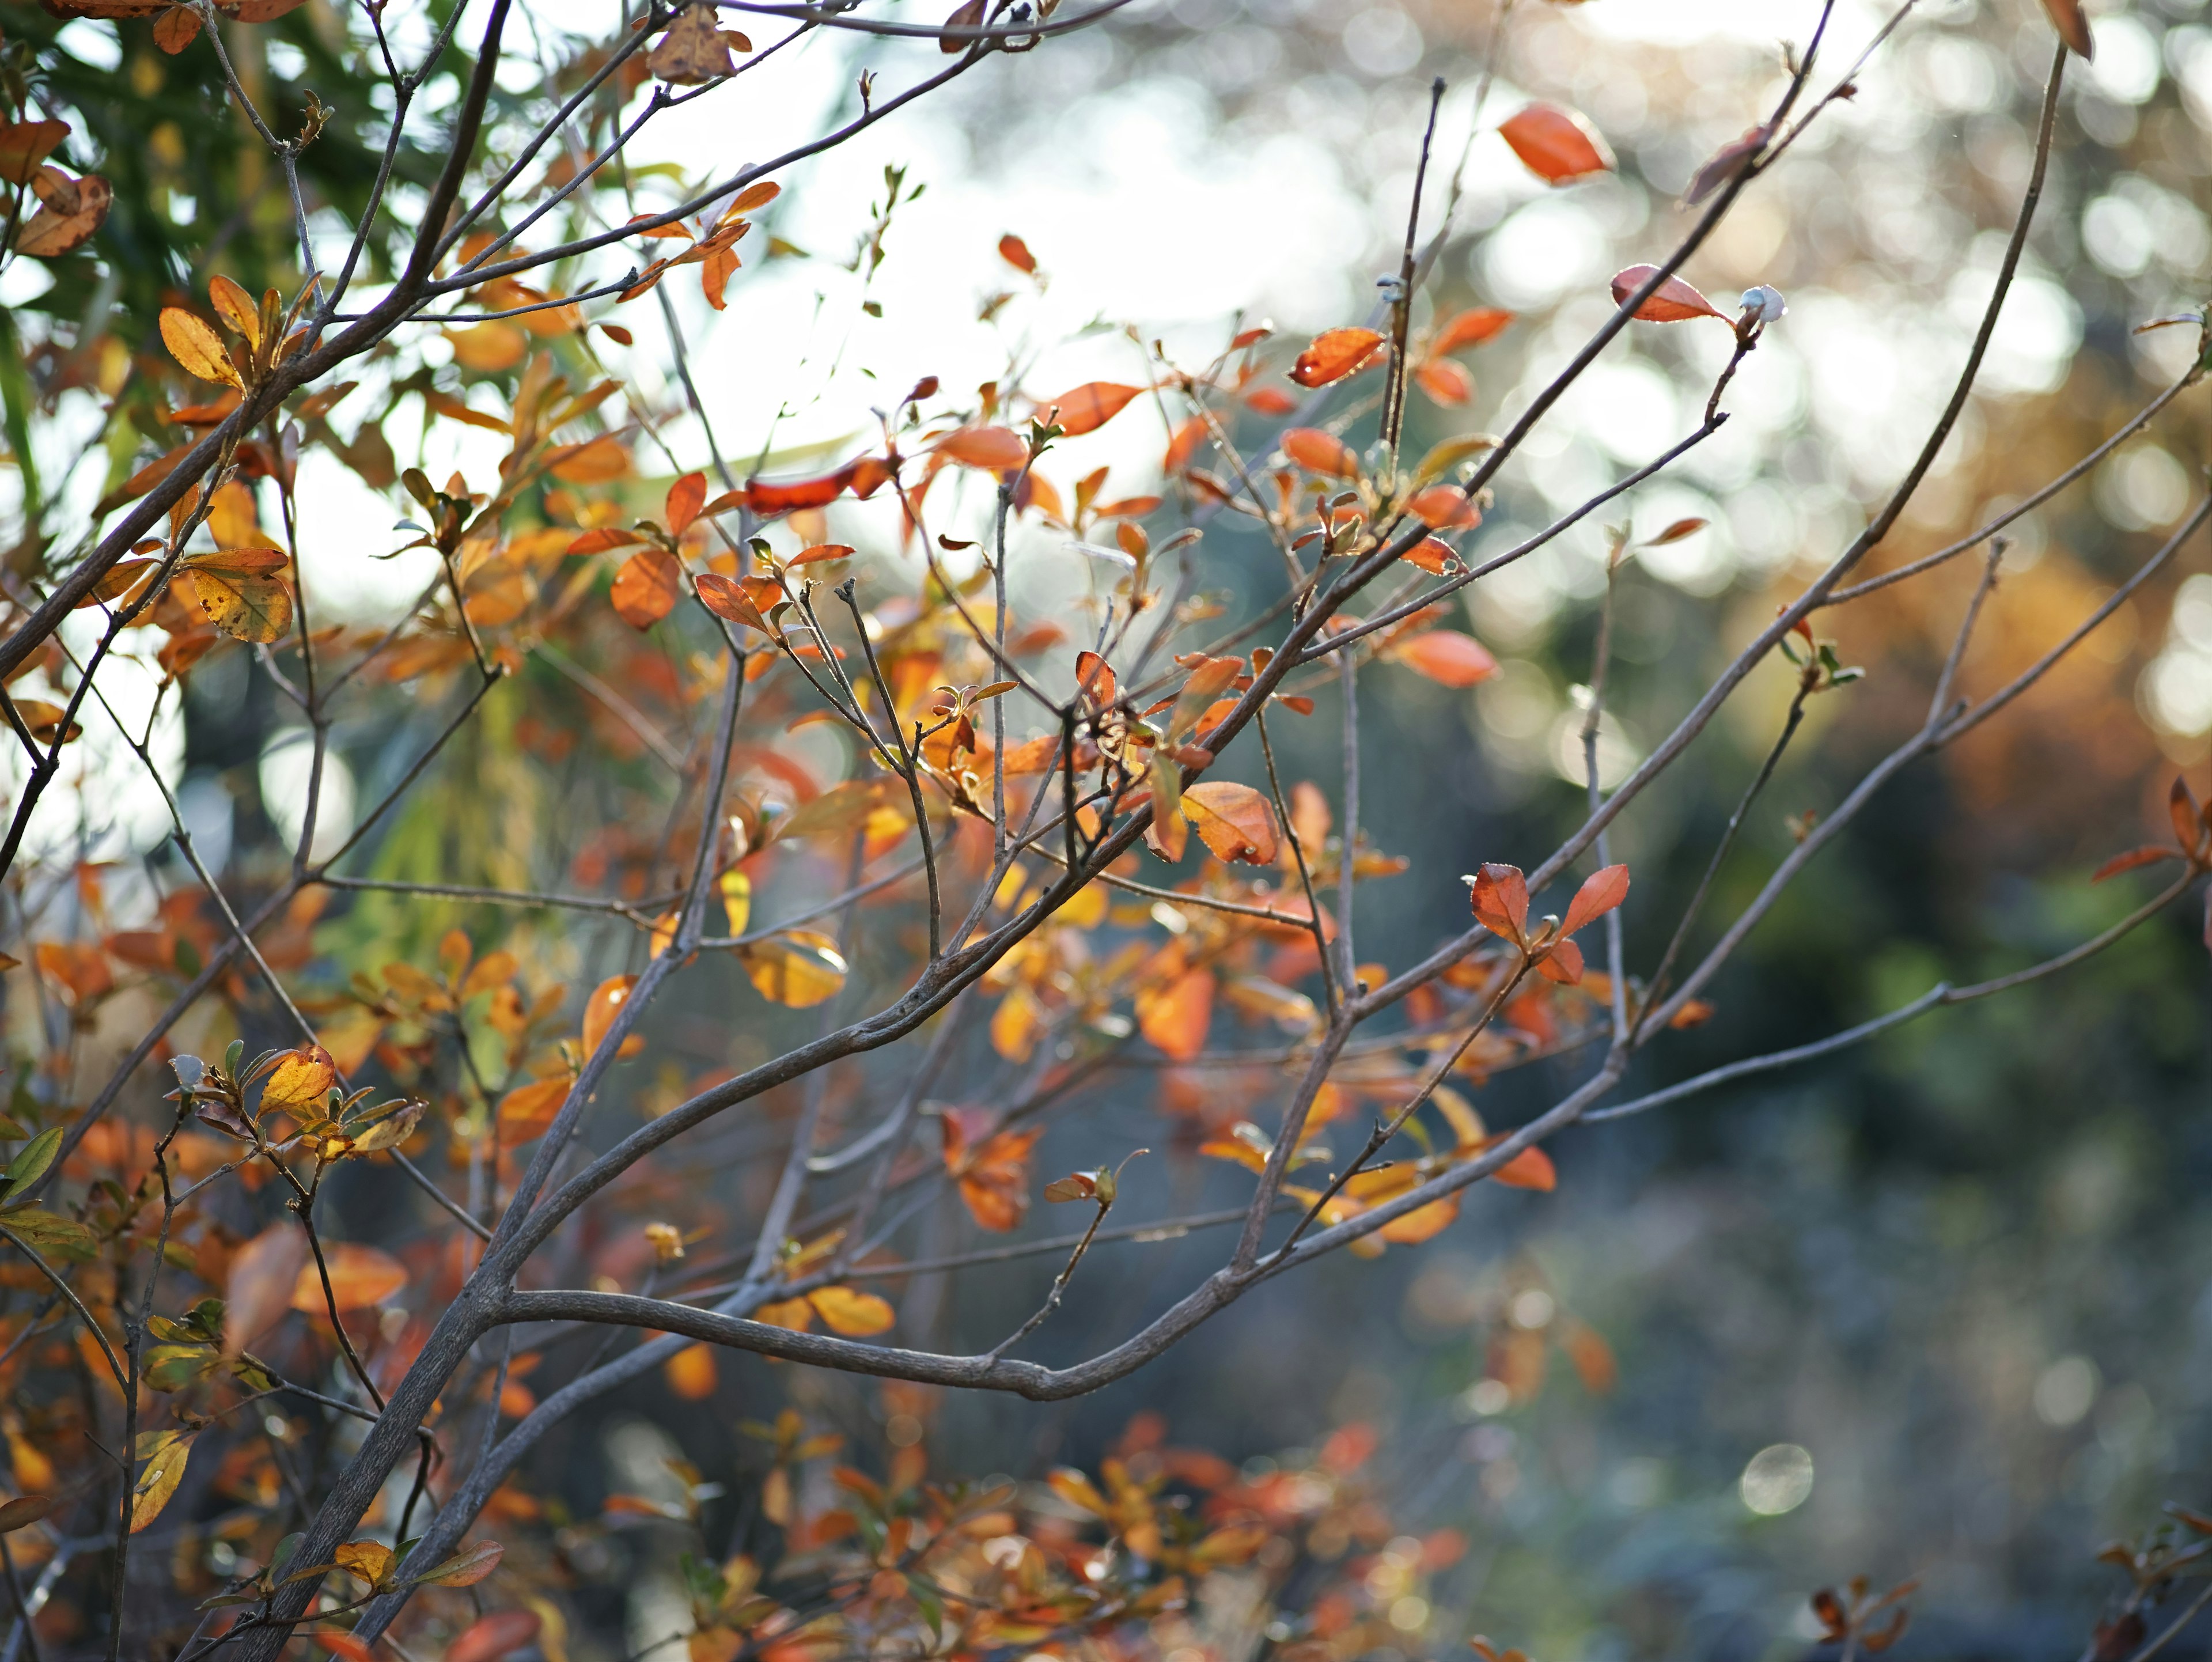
<point>301,1080</point>
<point>736,900</point>
<point>855,1315</point>
<point>799,968</point>
<point>606,1001</point>
<point>165,1453</point>
<point>795,1314</point>
<point>196,347</point>
<point>368,1561</point>
<point>527,1111</point>
<point>246,606</point>
<point>488,348</point>
<point>691,1373</point>
<point>235,307</point>
<point>361,1277</point>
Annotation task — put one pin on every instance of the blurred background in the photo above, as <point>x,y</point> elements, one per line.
<point>1942,1306</point>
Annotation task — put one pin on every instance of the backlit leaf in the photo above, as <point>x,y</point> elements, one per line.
<point>1500,897</point>
<point>247,605</point>
<point>1092,405</point>
<point>164,1453</point>
<point>301,1080</point>
<point>1599,893</point>
<point>259,1289</point>
<point>1447,657</point>
<point>692,1374</point>
<point>1472,327</point>
<point>1235,821</point>
<point>235,307</point>
<point>685,498</point>
<point>994,449</point>
<point>1558,145</point>
<point>25,144</point>
<point>1335,354</point>
<point>605,1004</point>
<point>1446,383</point>
<point>369,1561</point>
<point>1175,1017</point>
<point>647,587</point>
<point>797,968</point>
<point>528,1110</point>
<point>1673,302</point>
<point>691,52</point>
<point>1320,453</point>
<point>196,347</point>
<point>2073,27</point>
<point>1015,253</point>
<point>466,1567</point>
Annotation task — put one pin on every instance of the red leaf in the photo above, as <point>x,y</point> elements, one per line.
<point>1558,145</point>
<point>1562,962</point>
<point>1320,453</point>
<point>1015,253</point>
<point>1444,507</point>
<point>1447,657</point>
<point>2130,860</point>
<point>1088,407</point>
<point>1674,302</point>
<point>767,499</point>
<point>1095,676</point>
<point>1269,401</point>
<point>2187,824</point>
<point>1723,165</point>
<point>2072,27</point>
<point>1599,893</point>
<point>685,497</point>
<point>647,588</point>
<point>1470,328</point>
<point>1335,354</point>
<point>1500,899</point>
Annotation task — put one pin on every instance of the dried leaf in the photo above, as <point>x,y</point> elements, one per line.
<point>691,51</point>
<point>245,604</point>
<point>1335,354</point>
<point>1557,144</point>
<point>73,210</point>
<point>25,144</point>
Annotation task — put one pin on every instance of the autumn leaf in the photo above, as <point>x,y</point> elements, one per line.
<point>1445,382</point>
<point>259,1289</point>
<point>796,968</point>
<point>1473,327</point>
<point>164,1453</point>
<point>196,347</point>
<point>240,593</point>
<point>647,587</point>
<point>994,449</point>
<point>369,1561</point>
<point>360,1277</point>
<point>25,144</point>
<point>1086,408</point>
<point>684,500</point>
<point>487,349</point>
<point>1175,1017</point>
<point>490,1638</point>
<point>1234,821</point>
<point>464,1568</point>
<point>23,1511</point>
<point>71,212</point>
<point>855,1315</point>
<point>1015,253</point>
<point>603,1007</point>
<point>691,52</point>
<point>528,1110</point>
<point>1599,893</point>
<point>691,1373</point>
<point>301,1080</point>
<point>2072,26</point>
<point>1320,453</point>
<point>1557,145</point>
<point>1446,657</point>
<point>1673,302</point>
<point>991,1168</point>
<point>1335,354</point>
<point>1500,897</point>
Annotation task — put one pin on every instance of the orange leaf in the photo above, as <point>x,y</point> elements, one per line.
<point>692,1374</point>
<point>1320,453</point>
<point>647,588</point>
<point>25,144</point>
<point>301,1080</point>
<point>527,1111</point>
<point>993,1174</point>
<point>1430,554</point>
<point>1235,821</point>
<point>1447,657</point>
<point>1445,382</point>
<point>2130,860</point>
<point>1470,328</point>
<point>685,498</point>
<point>259,1287</point>
<point>488,348</point>
<point>767,499</point>
<point>1531,1168</point>
<point>1562,962</point>
<point>605,1004</point>
<point>1444,507</point>
<point>727,597</point>
<point>596,461</point>
<point>1500,897</point>
<point>1558,145</point>
<point>1269,401</point>
<point>492,1637</point>
<point>1175,1017</point>
<point>337,1644</point>
<point>1674,302</point>
<point>1599,893</point>
<point>1335,354</point>
<point>1015,253</point>
<point>1090,406</point>
<point>1095,676</point>
<point>994,449</point>
<point>855,1315</point>
<point>361,1277</point>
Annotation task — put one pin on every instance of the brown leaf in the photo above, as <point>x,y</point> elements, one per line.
<point>176,29</point>
<point>725,597</point>
<point>1557,144</point>
<point>1335,354</point>
<point>1724,164</point>
<point>1500,899</point>
<point>1675,532</point>
<point>74,209</point>
<point>1674,302</point>
<point>2067,17</point>
<point>1086,408</point>
<point>647,588</point>
<point>2132,859</point>
<point>968,16</point>
<point>244,604</point>
<point>257,1289</point>
<point>465,1568</point>
<point>691,51</point>
<point>2181,808</point>
<point>23,1511</point>
<point>25,144</point>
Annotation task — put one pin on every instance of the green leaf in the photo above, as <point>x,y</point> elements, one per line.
<point>50,1232</point>
<point>32,1162</point>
